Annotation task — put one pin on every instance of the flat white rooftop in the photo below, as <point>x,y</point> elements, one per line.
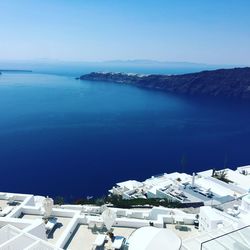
<point>214,187</point>
<point>55,234</point>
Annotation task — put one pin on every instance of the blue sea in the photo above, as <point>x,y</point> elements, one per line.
<point>65,137</point>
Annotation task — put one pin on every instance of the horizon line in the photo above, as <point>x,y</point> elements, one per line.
<point>50,60</point>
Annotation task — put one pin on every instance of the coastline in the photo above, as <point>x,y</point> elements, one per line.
<point>224,83</point>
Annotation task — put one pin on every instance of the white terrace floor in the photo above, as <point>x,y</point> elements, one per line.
<point>55,234</point>
<point>83,238</point>
<point>192,231</point>
<point>3,204</point>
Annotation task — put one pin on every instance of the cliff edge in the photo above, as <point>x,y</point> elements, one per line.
<point>232,83</point>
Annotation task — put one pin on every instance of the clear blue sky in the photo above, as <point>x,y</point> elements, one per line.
<point>209,31</point>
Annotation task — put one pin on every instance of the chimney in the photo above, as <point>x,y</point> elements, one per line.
<point>193,179</point>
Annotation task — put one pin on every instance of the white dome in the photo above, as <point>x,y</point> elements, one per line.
<point>152,238</point>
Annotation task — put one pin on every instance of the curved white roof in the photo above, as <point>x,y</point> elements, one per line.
<point>152,238</point>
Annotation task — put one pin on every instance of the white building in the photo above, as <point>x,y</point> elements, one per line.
<point>209,219</point>
<point>23,224</point>
<point>28,222</point>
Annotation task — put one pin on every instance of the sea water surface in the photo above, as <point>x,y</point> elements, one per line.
<point>65,137</point>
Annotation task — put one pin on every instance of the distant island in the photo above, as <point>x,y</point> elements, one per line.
<point>230,83</point>
<point>15,70</point>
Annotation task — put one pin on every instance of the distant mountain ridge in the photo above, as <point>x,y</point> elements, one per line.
<point>231,83</point>
<point>15,70</point>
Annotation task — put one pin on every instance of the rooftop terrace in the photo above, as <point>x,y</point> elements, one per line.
<point>83,237</point>
<point>55,234</point>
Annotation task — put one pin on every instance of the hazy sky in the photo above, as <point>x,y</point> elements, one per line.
<point>209,31</point>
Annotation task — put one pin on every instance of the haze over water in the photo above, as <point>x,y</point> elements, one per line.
<point>61,136</point>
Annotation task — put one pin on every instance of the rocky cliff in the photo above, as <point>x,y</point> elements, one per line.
<point>232,83</point>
